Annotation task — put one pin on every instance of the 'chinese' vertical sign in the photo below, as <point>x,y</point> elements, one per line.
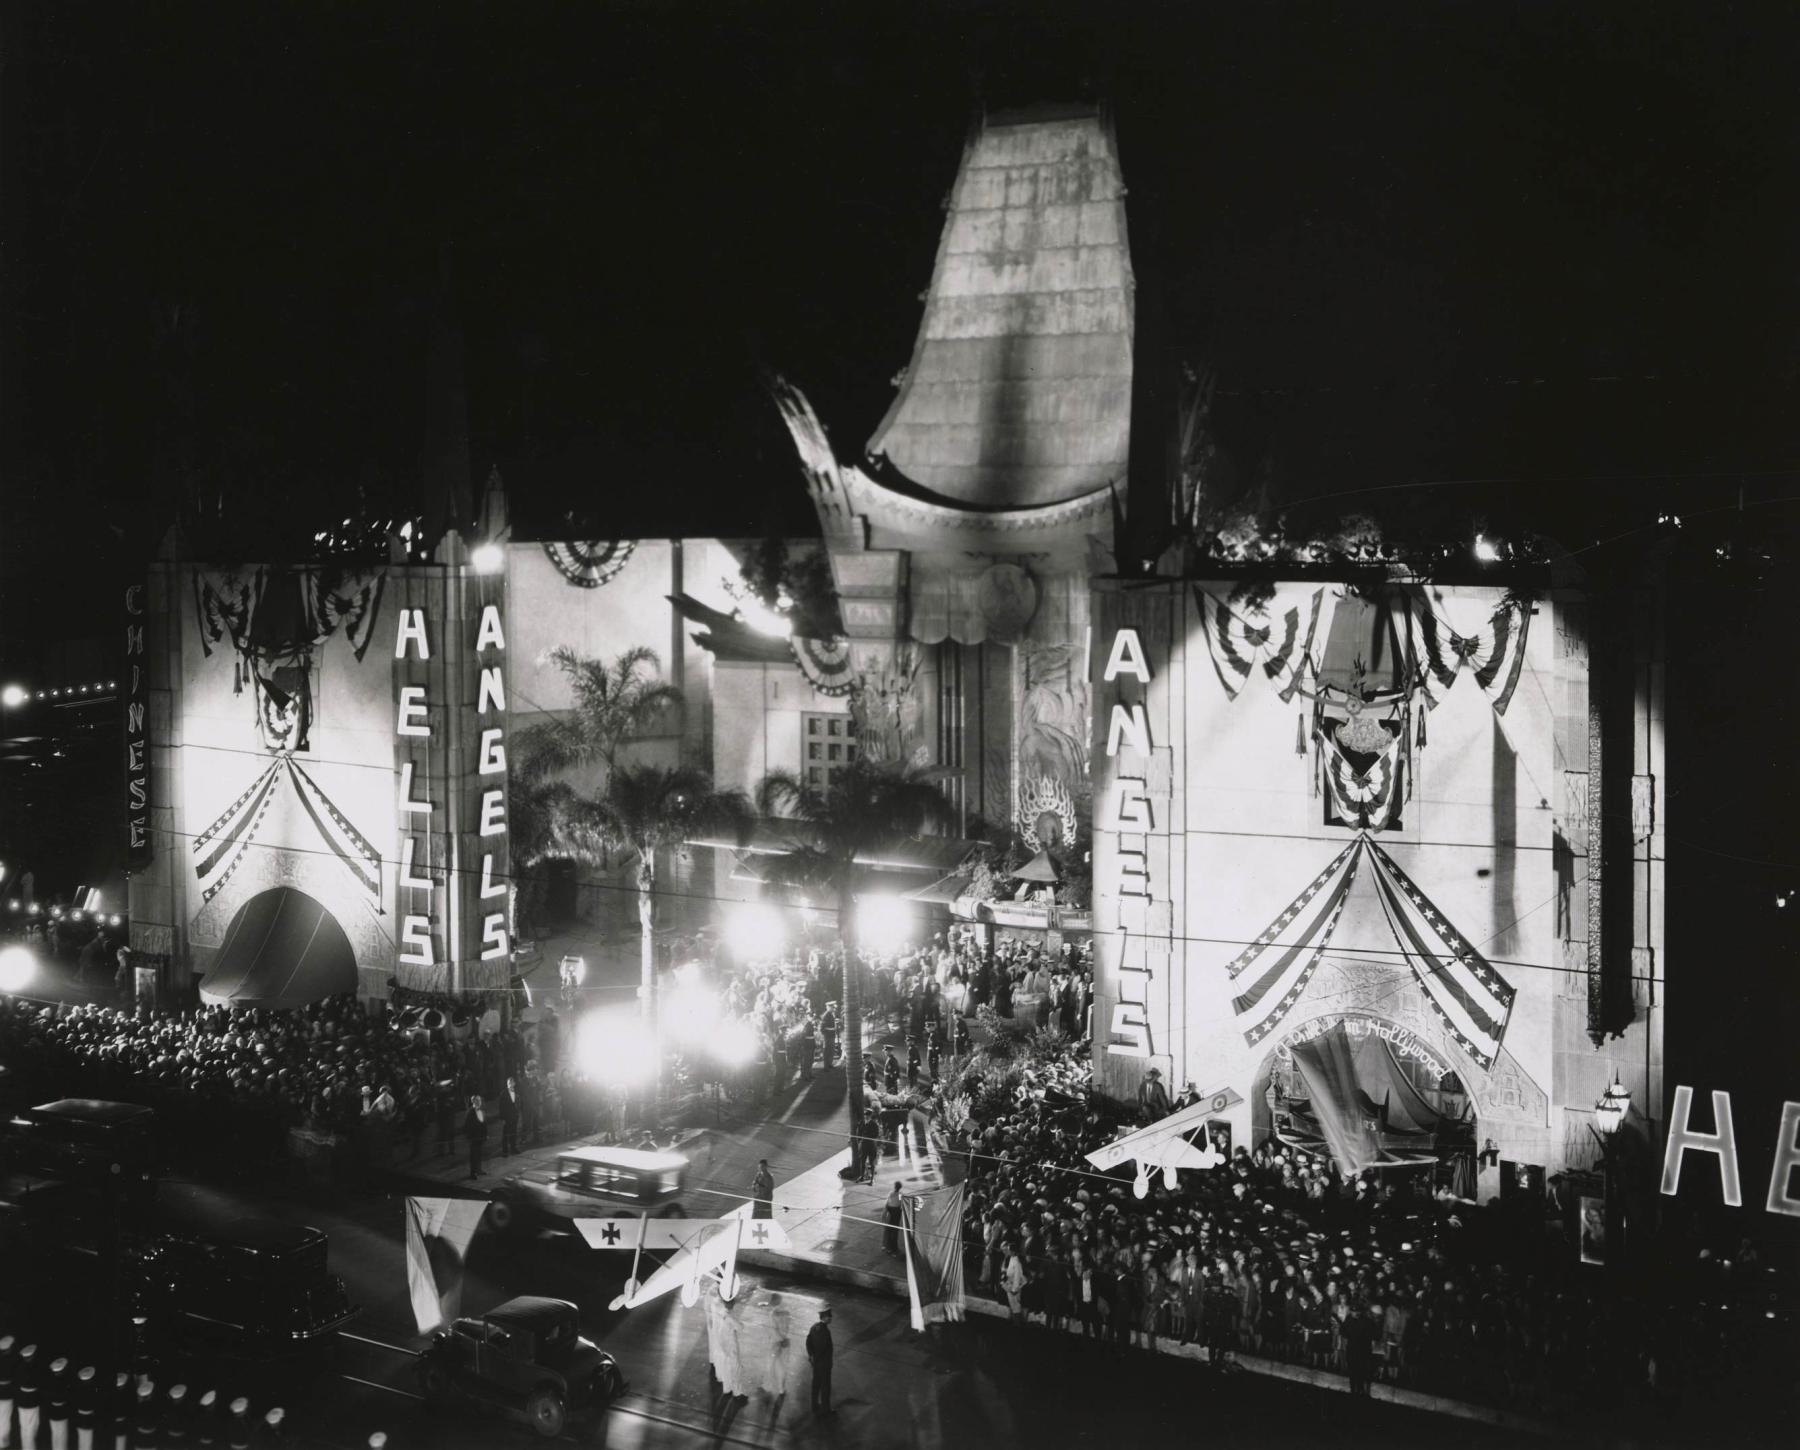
<point>134,700</point>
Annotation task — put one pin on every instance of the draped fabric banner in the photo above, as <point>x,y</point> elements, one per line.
<point>934,1257</point>
<point>1493,654</point>
<point>438,1231</point>
<point>1368,798</point>
<point>347,602</point>
<point>222,845</point>
<point>1274,636</point>
<point>1463,989</point>
<point>225,602</point>
<point>826,664</point>
<point>590,563</point>
<point>1277,966</point>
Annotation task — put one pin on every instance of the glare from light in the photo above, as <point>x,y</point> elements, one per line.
<point>1486,550</point>
<point>756,933</point>
<point>14,695</point>
<point>17,968</point>
<point>12,905</point>
<point>32,910</point>
<point>74,916</point>
<point>881,920</point>
<point>764,620</point>
<point>690,1014</point>
<point>615,1049</point>
<point>113,920</point>
<point>736,1043</point>
<point>488,559</point>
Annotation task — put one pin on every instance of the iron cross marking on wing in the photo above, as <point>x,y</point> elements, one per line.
<point>610,1233</point>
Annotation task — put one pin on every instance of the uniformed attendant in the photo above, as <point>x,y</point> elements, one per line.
<point>912,1062</point>
<point>891,1072</point>
<point>87,1406</point>
<point>828,1029</point>
<point>31,1397</point>
<point>937,1051</point>
<point>58,1403</point>
<point>7,1372</point>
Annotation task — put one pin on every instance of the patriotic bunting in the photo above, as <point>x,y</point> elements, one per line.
<point>1278,965</point>
<point>826,664</point>
<point>1367,798</point>
<point>349,603</point>
<point>589,564</point>
<point>1494,654</point>
<point>225,602</point>
<point>1274,637</point>
<point>1463,990</point>
<point>222,846</point>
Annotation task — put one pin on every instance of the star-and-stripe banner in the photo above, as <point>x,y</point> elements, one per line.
<point>825,663</point>
<point>1276,967</point>
<point>1274,637</point>
<point>226,840</point>
<point>1368,798</point>
<point>1493,654</point>
<point>1464,991</point>
<point>348,844</point>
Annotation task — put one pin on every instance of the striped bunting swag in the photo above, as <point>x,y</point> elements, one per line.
<point>1462,988</point>
<point>346,842</point>
<point>1274,638</point>
<point>221,846</point>
<point>1275,968</point>
<point>1494,654</point>
<point>825,663</point>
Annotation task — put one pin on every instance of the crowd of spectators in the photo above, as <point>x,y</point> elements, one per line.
<point>1276,1255</point>
<point>243,1081</point>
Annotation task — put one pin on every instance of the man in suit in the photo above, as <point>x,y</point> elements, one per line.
<point>762,1189</point>
<point>528,1105</point>
<point>474,1128</point>
<point>818,1350</point>
<point>509,1119</point>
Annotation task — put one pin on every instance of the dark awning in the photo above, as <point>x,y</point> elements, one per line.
<point>284,949</point>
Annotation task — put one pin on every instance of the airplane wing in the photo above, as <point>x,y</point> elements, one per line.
<point>678,1233</point>
<point>1145,1143</point>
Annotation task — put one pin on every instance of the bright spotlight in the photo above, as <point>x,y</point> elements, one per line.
<point>1486,549</point>
<point>690,1013</point>
<point>736,1044</point>
<point>882,919</point>
<point>17,968</point>
<point>764,620</point>
<point>488,559</point>
<point>615,1049</point>
<point>14,695</point>
<point>756,932</point>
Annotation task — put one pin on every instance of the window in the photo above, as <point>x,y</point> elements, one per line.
<point>830,746</point>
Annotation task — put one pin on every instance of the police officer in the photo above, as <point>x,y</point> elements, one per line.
<point>87,1406</point>
<point>31,1397</point>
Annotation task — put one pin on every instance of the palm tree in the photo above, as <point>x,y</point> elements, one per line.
<point>612,704</point>
<point>642,809</point>
<point>868,805</point>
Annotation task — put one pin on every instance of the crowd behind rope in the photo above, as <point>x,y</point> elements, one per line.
<point>1277,1255</point>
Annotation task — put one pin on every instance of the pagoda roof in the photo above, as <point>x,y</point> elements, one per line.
<point>1019,391</point>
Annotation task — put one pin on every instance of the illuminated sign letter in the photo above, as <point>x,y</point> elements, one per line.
<point>134,639</point>
<point>407,879</point>
<point>1723,1142</point>
<point>415,932</point>
<point>493,937</point>
<point>493,753</point>
<point>1134,876</point>
<point>1127,657</point>
<point>134,718</point>
<point>412,627</point>
<point>489,636</point>
<point>1129,726</point>
<point>412,703</point>
<point>489,886</point>
<point>493,813</point>
<point>1128,1021</point>
<point>1132,810</point>
<point>409,806</point>
<point>1787,1159</point>
<point>493,689</point>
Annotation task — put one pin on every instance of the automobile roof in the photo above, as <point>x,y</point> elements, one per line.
<point>92,1110</point>
<point>266,1235</point>
<point>533,1313</point>
<point>634,1158</point>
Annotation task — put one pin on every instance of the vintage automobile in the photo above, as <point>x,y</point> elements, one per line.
<point>87,1140</point>
<point>591,1183</point>
<point>255,1288</point>
<point>528,1357</point>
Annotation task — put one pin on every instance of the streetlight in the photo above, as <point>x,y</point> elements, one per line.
<point>1609,1115</point>
<point>1610,1111</point>
<point>488,559</point>
<point>14,695</point>
<point>17,968</point>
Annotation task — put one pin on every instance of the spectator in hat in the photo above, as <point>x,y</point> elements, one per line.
<point>474,1130</point>
<point>1153,1097</point>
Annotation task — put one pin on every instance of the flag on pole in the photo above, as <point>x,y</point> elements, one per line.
<point>934,1260</point>
<point>438,1231</point>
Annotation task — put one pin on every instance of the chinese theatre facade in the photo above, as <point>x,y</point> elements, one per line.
<point>1343,847</point>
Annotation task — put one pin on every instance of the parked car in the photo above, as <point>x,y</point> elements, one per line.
<point>527,1357</point>
<point>591,1183</point>
<point>255,1288</point>
<point>87,1140</point>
